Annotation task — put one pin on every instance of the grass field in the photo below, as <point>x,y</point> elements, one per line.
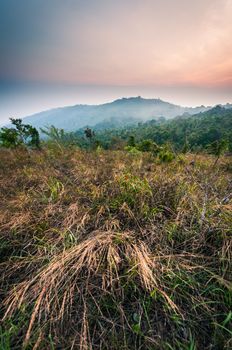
<point>109,250</point>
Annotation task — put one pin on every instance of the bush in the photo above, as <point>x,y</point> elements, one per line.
<point>132,150</point>
<point>148,146</point>
<point>166,155</point>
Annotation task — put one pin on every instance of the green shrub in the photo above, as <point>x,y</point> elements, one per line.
<point>148,146</point>
<point>166,155</point>
<point>132,150</point>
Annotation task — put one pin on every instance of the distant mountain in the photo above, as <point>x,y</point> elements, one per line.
<point>121,112</point>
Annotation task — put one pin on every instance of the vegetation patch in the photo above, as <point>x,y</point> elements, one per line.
<point>112,250</point>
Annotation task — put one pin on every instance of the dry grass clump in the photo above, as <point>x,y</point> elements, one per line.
<point>105,250</point>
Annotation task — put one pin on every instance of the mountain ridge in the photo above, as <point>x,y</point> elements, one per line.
<point>128,109</point>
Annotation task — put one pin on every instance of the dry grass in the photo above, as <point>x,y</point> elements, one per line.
<point>105,250</point>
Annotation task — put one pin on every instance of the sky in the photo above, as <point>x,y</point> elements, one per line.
<point>65,52</point>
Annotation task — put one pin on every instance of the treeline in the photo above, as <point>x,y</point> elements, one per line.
<point>191,133</point>
<point>206,131</point>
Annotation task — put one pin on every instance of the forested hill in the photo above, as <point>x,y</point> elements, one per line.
<point>198,130</point>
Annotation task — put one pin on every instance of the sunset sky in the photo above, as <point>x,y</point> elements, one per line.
<point>61,52</point>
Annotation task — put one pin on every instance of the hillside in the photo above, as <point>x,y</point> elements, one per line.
<point>132,109</point>
<point>108,250</point>
<point>198,130</point>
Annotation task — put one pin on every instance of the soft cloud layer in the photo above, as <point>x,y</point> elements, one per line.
<point>149,44</point>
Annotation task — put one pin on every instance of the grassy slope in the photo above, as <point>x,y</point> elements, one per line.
<point>113,251</point>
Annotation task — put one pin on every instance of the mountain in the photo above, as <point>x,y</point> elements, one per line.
<point>124,111</point>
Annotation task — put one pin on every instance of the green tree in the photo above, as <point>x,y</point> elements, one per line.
<point>20,134</point>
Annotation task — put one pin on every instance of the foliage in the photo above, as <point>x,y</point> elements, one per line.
<point>166,154</point>
<point>132,150</point>
<point>148,146</point>
<point>20,135</point>
<point>186,133</point>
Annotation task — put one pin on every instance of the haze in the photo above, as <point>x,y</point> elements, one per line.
<point>55,53</point>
